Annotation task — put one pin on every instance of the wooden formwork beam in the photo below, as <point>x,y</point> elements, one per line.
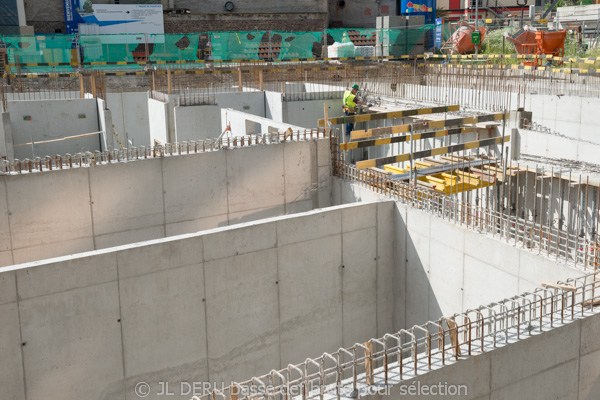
<point>389,115</point>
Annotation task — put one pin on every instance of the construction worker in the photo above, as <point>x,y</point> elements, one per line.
<point>350,101</point>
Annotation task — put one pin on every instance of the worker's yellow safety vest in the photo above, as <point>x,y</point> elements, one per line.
<point>349,103</point>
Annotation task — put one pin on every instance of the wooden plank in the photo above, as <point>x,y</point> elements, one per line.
<point>566,288</point>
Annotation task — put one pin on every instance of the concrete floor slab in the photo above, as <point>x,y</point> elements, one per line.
<point>186,196</point>
<point>66,275</point>
<point>145,259</point>
<point>242,315</point>
<point>163,307</point>
<point>245,239</point>
<point>11,362</point>
<point>61,346</point>
<point>359,286</point>
<point>133,181</point>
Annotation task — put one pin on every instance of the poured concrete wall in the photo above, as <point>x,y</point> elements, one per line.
<point>197,122</point>
<point>217,306</point>
<point>158,120</point>
<point>53,119</point>
<point>242,123</point>
<point>68,211</point>
<point>557,364</point>
<point>442,268</point>
<point>130,116</point>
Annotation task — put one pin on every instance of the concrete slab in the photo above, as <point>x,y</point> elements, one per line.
<point>557,383</point>
<point>310,298</point>
<point>65,275</point>
<point>191,196</point>
<point>300,171</point>
<point>50,250</point>
<point>246,239</point>
<point>255,178</point>
<point>492,252</point>
<point>11,362</point>
<point>141,260</point>
<point>197,225</point>
<point>8,287</point>
<point>563,341</point>
<point>67,195</point>
<point>446,280</point>
<point>126,237</point>
<point>124,212</point>
<point>313,226</point>
<point>64,332</point>
<point>589,376</point>
<point>5,240</point>
<point>484,284</point>
<point>242,315</point>
<point>359,286</point>
<point>164,307</point>
<point>361,217</point>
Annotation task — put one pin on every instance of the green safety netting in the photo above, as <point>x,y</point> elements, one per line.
<point>218,46</point>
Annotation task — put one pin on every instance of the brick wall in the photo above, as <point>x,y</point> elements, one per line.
<point>189,23</point>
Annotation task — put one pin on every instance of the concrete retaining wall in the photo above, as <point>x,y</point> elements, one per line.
<point>442,268</point>
<point>558,364</point>
<point>130,116</point>
<point>221,305</point>
<point>53,119</point>
<point>158,120</point>
<point>69,211</point>
<point>242,123</point>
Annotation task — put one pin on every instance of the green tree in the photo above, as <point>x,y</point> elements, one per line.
<point>87,7</point>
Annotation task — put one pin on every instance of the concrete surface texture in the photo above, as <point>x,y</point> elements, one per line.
<point>243,124</point>
<point>557,364</point>
<point>69,211</point>
<point>40,120</point>
<point>442,268</point>
<point>130,116</point>
<point>214,306</point>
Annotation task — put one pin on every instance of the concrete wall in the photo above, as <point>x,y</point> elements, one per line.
<point>158,121</point>
<point>69,211</point>
<point>197,122</point>
<point>557,364</point>
<point>306,113</point>
<point>53,119</point>
<point>217,306</point>
<point>242,123</point>
<point>7,150</point>
<point>130,116</point>
<point>442,268</point>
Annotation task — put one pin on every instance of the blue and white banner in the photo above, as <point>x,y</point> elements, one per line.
<point>114,18</point>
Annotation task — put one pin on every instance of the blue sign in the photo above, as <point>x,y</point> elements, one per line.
<point>72,17</point>
<point>439,25</point>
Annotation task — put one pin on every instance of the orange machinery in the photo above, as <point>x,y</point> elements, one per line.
<point>539,42</point>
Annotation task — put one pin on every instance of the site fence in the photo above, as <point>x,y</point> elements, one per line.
<point>60,53</point>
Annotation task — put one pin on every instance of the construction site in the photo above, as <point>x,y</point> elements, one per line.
<point>213,227</point>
